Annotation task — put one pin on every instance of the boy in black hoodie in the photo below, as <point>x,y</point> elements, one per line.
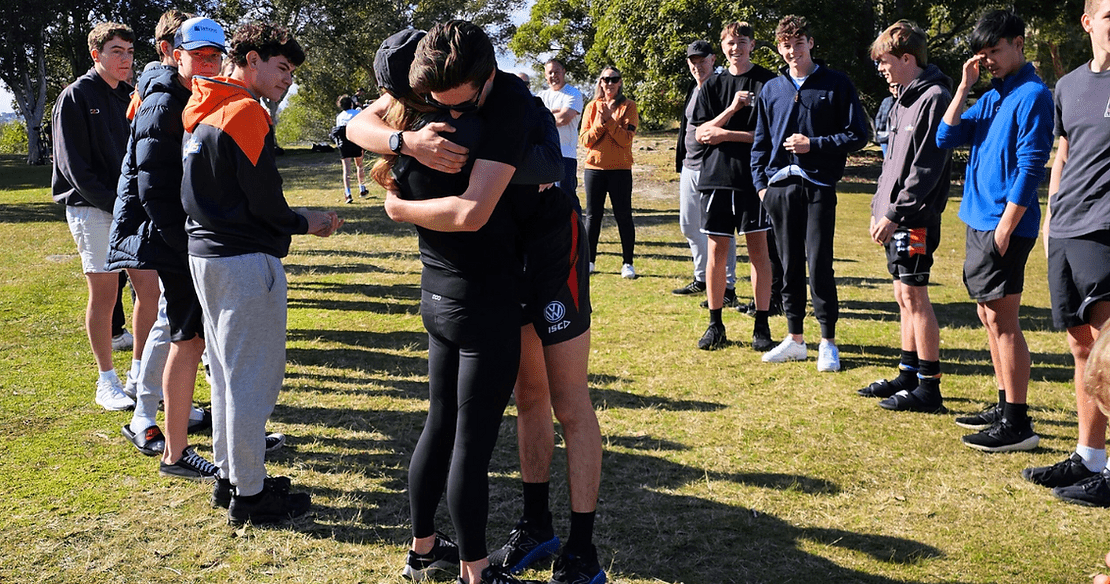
<point>906,209</point>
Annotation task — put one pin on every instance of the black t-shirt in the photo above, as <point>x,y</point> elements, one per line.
<point>728,165</point>
<point>482,265</point>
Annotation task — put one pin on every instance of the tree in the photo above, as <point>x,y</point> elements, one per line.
<point>23,64</point>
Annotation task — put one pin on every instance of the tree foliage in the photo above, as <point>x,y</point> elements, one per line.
<point>646,39</point>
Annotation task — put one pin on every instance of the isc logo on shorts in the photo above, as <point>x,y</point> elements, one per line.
<point>554,311</point>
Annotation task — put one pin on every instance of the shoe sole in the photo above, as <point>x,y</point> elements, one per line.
<point>782,359</point>
<point>828,369</point>
<point>1028,444</point>
<point>116,408</point>
<point>544,550</point>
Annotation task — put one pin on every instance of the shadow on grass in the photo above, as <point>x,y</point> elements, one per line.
<point>608,398</point>
<point>1050,367</point>
<point>32,213</point>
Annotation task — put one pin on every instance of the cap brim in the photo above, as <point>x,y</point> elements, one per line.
<point>201,44</point>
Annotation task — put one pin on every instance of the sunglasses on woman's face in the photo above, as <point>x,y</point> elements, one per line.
<point>611,79</point>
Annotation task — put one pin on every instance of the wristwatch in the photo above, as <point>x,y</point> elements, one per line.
<point>396,142</point>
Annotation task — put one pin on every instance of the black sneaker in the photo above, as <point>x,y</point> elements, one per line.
<point>1004,436</point>
<point>729,300</point>
<point>694,287</point>
<point>191,466</point>
<point>915,401</point>
<point>761,338</point>
<point>363,193</point>
<point>983,420</point>
<point>277,504</point>
<point>713,339</point>
<point>274,442</point>
<point>578,568</point>
<point>441,562</point>
<point>882,388</point>
<point>1092,492</point>
<point>221,490</point>
<point>204,423</point>
<point>528,543</point>
<point>1065,473</point>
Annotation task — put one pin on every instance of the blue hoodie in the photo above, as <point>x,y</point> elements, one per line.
<point>1010,132</point>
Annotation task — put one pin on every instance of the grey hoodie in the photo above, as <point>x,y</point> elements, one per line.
<point>913,187</point>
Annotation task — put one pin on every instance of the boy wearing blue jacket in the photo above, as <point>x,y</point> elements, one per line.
<point>1010,132</point>
<point>808,120</point>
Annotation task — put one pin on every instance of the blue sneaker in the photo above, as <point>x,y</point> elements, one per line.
<point>528,543</point>
<point>580,568</point>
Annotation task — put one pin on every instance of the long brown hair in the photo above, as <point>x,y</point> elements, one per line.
<point>402,114</point>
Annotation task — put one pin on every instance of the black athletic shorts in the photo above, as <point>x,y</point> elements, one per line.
<point>725,212</point>
<point>1078,276</point>
<point>183,309</point>
<point>348,149</point>
<point>556,298</point>
<point>909,254</point>
<point>989,276</point>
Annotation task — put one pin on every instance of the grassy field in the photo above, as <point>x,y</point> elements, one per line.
<point>718,468</point>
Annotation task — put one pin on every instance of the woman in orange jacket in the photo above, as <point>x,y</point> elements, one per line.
<point>608,126</point>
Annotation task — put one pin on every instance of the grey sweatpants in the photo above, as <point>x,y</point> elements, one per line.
<point>148,392</point>
<point>244,303</point>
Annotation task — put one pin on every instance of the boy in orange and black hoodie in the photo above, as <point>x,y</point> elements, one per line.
<point>239,226</point>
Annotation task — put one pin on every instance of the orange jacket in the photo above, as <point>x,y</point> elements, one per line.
<point>608,142</point>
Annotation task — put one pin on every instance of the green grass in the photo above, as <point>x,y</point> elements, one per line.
<point>718,468</point>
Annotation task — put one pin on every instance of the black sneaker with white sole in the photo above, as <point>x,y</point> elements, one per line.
<point>1004,436</point>
<point>1065,473</point>
<point>982,420</point>
<point>694,287</point>
<point>191,466</point>
<point>529,542</point>
<point>274,441</point>
<point>1092,492</point>
<point>578,568</point>
<point>440,563</point>
<point>274,504</point>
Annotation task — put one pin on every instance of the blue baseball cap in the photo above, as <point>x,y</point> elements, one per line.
<point>199,32</point>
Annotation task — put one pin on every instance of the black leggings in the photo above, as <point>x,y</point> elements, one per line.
<point>473,357</point>
<point>618,185</point>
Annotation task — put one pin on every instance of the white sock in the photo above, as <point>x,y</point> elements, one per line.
<point>109,376</point>
<point>136,367</point>
<point>140,424</point>
<point>1093,458</point>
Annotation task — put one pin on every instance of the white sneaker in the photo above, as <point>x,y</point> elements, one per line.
<point>123,341</point>
<point>828,357</point>
<point>788,350</point>
<point>628,272</point>
<point>110,396</point>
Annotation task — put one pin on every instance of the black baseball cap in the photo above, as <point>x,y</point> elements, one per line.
<point>699,48</point>
<point>393,59</point>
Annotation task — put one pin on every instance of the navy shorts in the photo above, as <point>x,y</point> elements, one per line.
<point>909,254</point>
<point>556,298</point>
<point>1078,276</point>
<point>183,309</point>
<point>989,275</point>
<point>725,212</point>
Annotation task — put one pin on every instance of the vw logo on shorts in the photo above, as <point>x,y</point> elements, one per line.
<point>554,312</point>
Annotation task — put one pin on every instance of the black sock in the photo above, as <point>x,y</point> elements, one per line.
<point>761,319</point>
<point>907,371</point>
<point>535,502</point>
<point>715,316</point>
<point>1001,397</point>
<point>928,377</point>
<point>908,361</point>
<point>1017,414</point>
<point>581,532</point>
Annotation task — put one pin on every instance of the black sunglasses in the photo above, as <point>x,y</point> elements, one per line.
<point>465,107</point>
<point>611,79</point>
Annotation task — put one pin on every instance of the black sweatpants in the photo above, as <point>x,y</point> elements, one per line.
<point>473,357</point>
<point>618,185</point>
<point>804,219</point>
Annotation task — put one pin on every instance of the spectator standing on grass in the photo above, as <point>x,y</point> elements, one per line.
<point>689,153</point>
<point>608,128</point>
<point>1077,242</point>
<point>565,103</point>
<point>906,210</point>
<point>90,132</point>
<point>1010,132</point>
<point>148,232</point>
<point>239,226</point>
<point>349,152</point>
<point>809,119</point>
<point>725,117</point>
<point>882,118</point>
